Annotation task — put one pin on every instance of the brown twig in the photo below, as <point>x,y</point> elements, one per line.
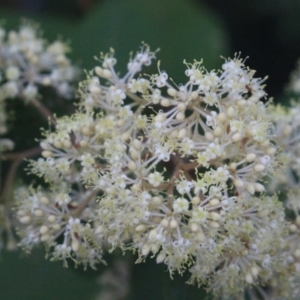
<point>16,160</point>
<point>43,110</point>
<point>20,155</point>
<point>76,213</point>
<point>180,168</point>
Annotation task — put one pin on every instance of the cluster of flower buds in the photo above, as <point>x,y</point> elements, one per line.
<point>28,62</point>
<point>175,172</point>
<point>284,282</point>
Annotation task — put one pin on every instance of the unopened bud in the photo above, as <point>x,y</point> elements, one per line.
<point>232,166</point>
<point>248,278</point>
<point>250,188</point>
<point>52,218</point>
<point>182,133</point>
<point>160,257</point>
<point>140,228</point>
<point>132,166</point>
<point>195,200</point>
<point>145,250</point>
<point>83,143</point>
<point>194,227</point>
<point>45,200</point>
<point>218,131</point>
<point>263,213</point>
<point>259,187</point>
<point>201,237</point>
<point>106,73</point>
<point>287,130</point>
<point>25,219</point>
<point>44,229</point>
<point>213,224</point>
<point>157,200</point>
<point>270,151</point>
<point>222,117</point>
<point>67,144</point>
<point>238,182</point>
<point>45,237</point>
<point>214,216</point>
<point>194,95</point>
<point>165,102</point>
<point>180,116</point>
<point>161,117</point>
<point>173,224</point>
<point>230,112</point>
<point>137,144</point>
<point>47,154</point>
<point>134,154</point>
<point>38,212</point>
<point>209,136</point>
<point>99,71</point>
<point>56,226</point>
<point>125,136</point>
<point>58,144</point>
<point>164,223</point>
<point>236,137</point>
<point>172,92</point>
<point>254,271</point>
<point>214,202</point>
<point>181,107</point>
<point>75,245</point>
<point>259,168</point>
<point>297,253</point>
<point>250,157</point>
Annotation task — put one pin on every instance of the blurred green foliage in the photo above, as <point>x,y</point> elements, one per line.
<point>24,277</point>
<point>182,31</point>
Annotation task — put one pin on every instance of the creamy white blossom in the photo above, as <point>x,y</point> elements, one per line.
<point>184,183</point>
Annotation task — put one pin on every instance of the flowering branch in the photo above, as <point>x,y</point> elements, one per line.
<point>189,184</point>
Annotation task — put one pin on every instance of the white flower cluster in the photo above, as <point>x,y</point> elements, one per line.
<point>172,172</point>
<point>284,282</point>
<point>28,62</point>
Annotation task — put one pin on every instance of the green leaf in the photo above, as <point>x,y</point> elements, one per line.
<point>34,278</point>
<point>152,281</point>
<point>179,29</point>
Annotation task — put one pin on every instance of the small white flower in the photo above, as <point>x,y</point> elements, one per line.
<point>184,186</point>
<point>12,73</point>
<point>63,199</point>
<point>161,79</point>
<point>163,152</point>
<point>155,179</point>
<point>180,205</point>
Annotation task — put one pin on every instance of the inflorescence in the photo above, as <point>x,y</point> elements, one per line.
<point>172,172</point>
<point>182,173</point>
<point>27,63</point>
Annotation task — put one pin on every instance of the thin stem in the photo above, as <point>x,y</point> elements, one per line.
<point>84,204</point>
<point>43,110</point>
<point>135,97</point>
<point>16,160</point>
<point>20,155</point>
<point>9,181</point>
